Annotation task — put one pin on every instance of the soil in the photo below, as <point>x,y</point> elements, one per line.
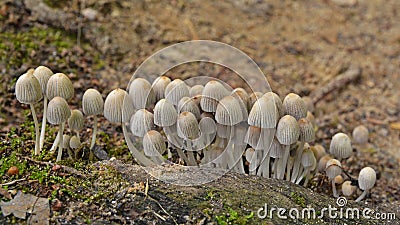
<point>300,45</point>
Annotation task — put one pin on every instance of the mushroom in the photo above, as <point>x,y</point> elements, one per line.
<point>275,152</point>
<point>75,144</point>
<point>93,105</point>
<point>66,139</point>
<point>360,134</point>
<point>251,138</point>
<point>154,146</point>
<point>253,97</point>
<point>28,91</point>
<point>59,85</point>
<point>319,151</point>
<point>43,75</point>
<point>322,163</point>
<point>159,86</point>
<point>294,105</point>
<point>176,90</point>
<point>187,104</point>
<point>141,122</point>
<point>189,130</point>
<point>348,189</point>
<point>308,161</point>
<point>142,93</point>
<point>196,90</point>
<point>242,97</point>
<point>118,108</point>
<point>278,102</point>
<point>287,133</point>
<point>58,113</point>
<point>366,180</point>
<point>307,134</point>
<point>75,121</point>
<point>208,130</point>
<point>212,93</point>
<point>333,168</point>
<point>340,146</point>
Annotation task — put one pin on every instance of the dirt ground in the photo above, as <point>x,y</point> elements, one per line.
<point>299,45</point>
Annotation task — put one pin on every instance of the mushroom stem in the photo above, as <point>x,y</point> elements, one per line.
<point>265,169</point>
<point>289,167</point>
<point>253,164</point>
<point>55,143</point>
<point>94,132</point>
<point>60,144</point>
<point>297,160</point>
<point>335,194</point>
<point>304,174</point>
<point>37,148</point>
<point>282,163</point>
<point>44,120</point>
<point>191,159</point>
<point>140,158</point>
<point>362,196</point>
<point>238,151</point>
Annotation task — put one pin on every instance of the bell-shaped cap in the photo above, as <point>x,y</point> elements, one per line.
<point>164,113</point>
<point>294,105</point>
<point>253,97</point>
<point>242,97</point>
<point>228,111</point>
<point>366,178</point>
<point>142,93</point>
<point>58,111</point>
<point>176,90</point>
<point>360,134</point>
<point>43,75</point>
<point>187,126</point>
<point>212,93</point>
<point>263,113</point>
<point>333,168</point>
<point>288,130</point>
<point>141,122</point>
<point>307,133</point>
<point>278,102</point>
<point>348,189</point>
<point>66,139</point>
<point>76,121</point>
<point>154,144</point>
<point>74,142</point>
<point>27,89</point>
<point>252,136</point>
<point>187,104</point>
<point>196,90</point>
<point>159,85</point>
<point>92,102</point>
<point>308,159</point>
<point>341,146</point>
<point>118,106</point>
<point>207,125</point>
<point>59,85</point>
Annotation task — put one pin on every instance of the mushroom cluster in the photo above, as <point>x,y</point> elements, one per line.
<point>56,90</point>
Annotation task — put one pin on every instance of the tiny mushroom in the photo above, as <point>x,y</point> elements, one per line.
<point>340,146</point>
<point>142,93</point>
<point>333,168</point>
<point>366,181</point>
<point>348,189</point>
<point>159,86</point>
<point>76,121</point>
<point>154,146</point>
<point>93,105</point>
<point>360,134</point>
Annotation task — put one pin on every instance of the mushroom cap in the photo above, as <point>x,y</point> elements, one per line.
<point>294,105</point>
<point>278,102</point>
<point>142,93</point>
<point>322,162</point>
<point>288,130</point>
<point>341,146</point>
<point>27,88</point>
<point>74,142</point>
<point>196,90</point>
<point>76,121</point>
<point>308,159</point>
<point>319,151</point>
<point>164,113</point>
<point>348,189</point>
<point>228,111</point>
<point>360,134</point>
<point>176,90</point>
<point>141,122</point>
<point>187,126</point>
<point>212,93</point>
<point>333,168</point>
<point>249,154</point>
<point>366,178</point>
<point>307,133</point>
<point>276,150</point>
<point>253,97</point>
<point>338,179</point>
<point>159,85</point>
<point>207,125</point>
<point>118,106</point>
<point>242,97</point>
<point>154,143</point>
<point>43,75</point>
<point>92,102</point>
<point>66,139</point>
<point>58,111</point>
<point>187,104</point>
<point>252,136</point>
<point>264,113</point>
<point>59,85</point>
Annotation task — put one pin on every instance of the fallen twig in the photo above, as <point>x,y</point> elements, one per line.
<point>12,182</point>
<point>65,168</point>
<point>338,82</point>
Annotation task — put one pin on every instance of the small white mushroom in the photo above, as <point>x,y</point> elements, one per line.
<point>164,113</point>
<point>360,134</point>
<point>189,130</point>
<point>176,90</point>
<point>187,104</point>
<point>141,122</point>
<point>333,168</point>
<point>212,93</point>
<point>154,146</point>
<point>294,105</point>
<point>76,121</point>
<point>348,189</point>
<point>28,91</point>
<point>142,93</point>
<point>93,105</point>
<point>159,86</point>
<point>196,90</point>
<point>366,181</point>
<point>340,146</point>
<point>59,85</point>
<point>57,114</point>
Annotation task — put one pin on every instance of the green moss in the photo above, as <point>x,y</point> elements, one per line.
<point>233,217</point>
<point>298,199</point>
